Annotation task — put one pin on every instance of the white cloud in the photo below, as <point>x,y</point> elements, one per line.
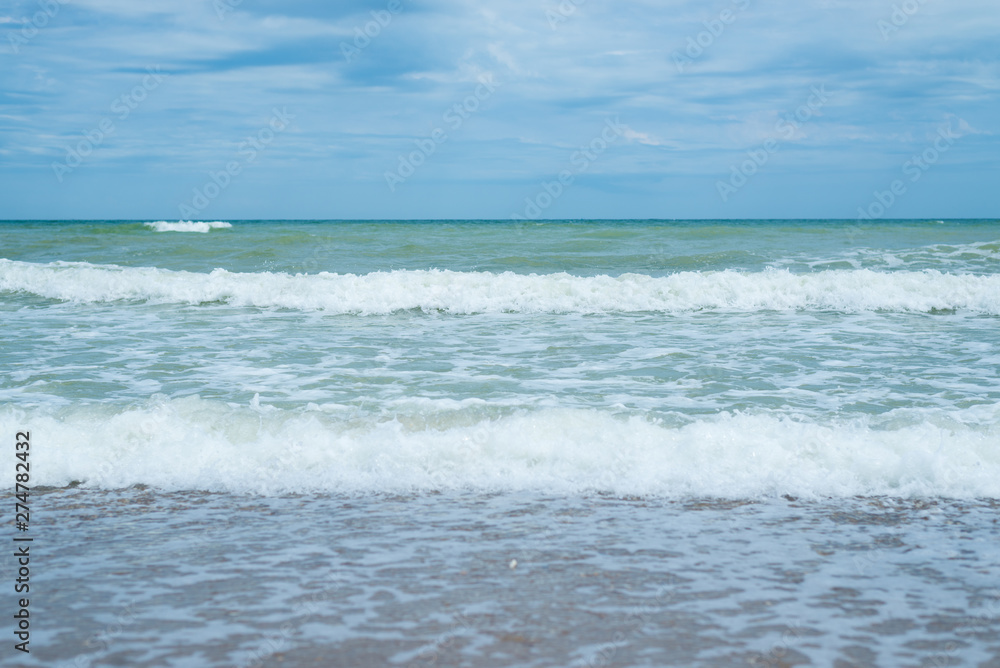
<point>641,137</point>
<point>557,85</point>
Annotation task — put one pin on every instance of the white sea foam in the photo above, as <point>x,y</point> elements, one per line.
<point>195,444</point>
<point>187,226</point>
<point>484,292</point>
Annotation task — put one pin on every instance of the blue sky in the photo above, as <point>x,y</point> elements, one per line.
<point>229,109</point>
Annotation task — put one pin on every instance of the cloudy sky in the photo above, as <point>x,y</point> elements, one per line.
<point>227,109</point>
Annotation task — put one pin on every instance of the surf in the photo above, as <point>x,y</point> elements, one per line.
<point>460,292</point>
<point>199,444</point>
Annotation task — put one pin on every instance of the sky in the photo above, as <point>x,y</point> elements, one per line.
<point>437,109</point>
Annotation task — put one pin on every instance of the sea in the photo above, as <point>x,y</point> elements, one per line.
<point>504,443</point>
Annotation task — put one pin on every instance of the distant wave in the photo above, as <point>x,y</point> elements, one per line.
<point>484,292</point>
<point>197,444</point>
<point>187,226</point>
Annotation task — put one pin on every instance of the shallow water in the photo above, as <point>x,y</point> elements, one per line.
<point>141,578</point>
<point>327,443</point>
<point>717,358</point>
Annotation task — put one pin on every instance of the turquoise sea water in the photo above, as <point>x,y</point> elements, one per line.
<point>489,443</point>
<point>720,358</point>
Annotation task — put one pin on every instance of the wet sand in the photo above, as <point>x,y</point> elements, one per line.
<point>143,578</point>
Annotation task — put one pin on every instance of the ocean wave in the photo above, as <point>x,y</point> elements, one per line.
<point>187,226</point>
<point>197,444</point>
<point>484,292</point>
<point>981,257</point>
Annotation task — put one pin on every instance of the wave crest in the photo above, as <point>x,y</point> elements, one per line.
<point>187,226</point>
<point>196,444</point>
<point>483,292</point>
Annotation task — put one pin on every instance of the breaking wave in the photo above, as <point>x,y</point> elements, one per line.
<point>484,292</point>
<point>187,226</point>
<point>198,444</point>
